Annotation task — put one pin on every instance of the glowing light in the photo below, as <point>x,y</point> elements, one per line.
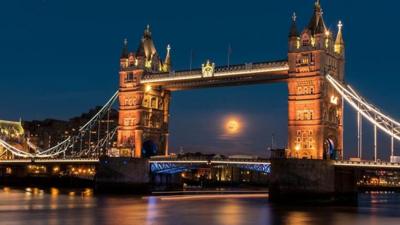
<point>232,125</point>
<point>313,41</point>
<point>6,189</point>
<point>148,64</point>
<point>54,192</point>
<point>56,169</point>
<point>334,100</point>
<point>327,33</point>
<point>148,88</point>
<point>297,148</point>
<point>210,196</point>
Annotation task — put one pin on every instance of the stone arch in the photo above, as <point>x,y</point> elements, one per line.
<point>330,148</point>
<point>149,148</point>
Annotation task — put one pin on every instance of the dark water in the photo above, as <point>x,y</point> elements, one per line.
<point>79,207</point>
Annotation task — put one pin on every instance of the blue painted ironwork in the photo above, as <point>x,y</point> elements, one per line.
<point>169,167</point>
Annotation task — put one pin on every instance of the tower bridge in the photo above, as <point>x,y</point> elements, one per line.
<point>315,75</point>
<point>315,103</point>
<point>315,109</point>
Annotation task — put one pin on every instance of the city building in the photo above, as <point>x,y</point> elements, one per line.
<point>49,132</point>
<point>14,133</point>
<point>315,123</point>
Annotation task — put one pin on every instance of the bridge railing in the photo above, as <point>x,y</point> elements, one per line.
<point>208,159</point>
<point>379,164</point>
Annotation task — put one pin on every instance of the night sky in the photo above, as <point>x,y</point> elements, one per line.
<point>59,58</point>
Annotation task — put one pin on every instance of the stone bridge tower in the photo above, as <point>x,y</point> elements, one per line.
<point>315,109</point>
<point>143,113</point>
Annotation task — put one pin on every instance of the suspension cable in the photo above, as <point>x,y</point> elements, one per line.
<point>371,113</point>
<point>66,144</point>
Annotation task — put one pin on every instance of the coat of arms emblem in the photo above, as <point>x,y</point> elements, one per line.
<point>208,69</point>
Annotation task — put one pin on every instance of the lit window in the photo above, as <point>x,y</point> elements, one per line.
<point>299,90</point>
<point>306,42</point>
<point>153,103</point>
<point>129,78</point>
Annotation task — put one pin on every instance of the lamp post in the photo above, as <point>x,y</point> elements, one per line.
<point>297,148</point>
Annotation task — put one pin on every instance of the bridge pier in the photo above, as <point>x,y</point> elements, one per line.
<point>294,180</point>
<point>123,174</point>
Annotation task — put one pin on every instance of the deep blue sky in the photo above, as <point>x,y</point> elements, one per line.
<point>59,58</point>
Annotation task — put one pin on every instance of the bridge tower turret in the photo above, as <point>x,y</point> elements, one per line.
<point>144,110</point>
<point>315,123</point>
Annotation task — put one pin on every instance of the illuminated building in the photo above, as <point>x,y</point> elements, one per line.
<point>315,110</point>
<point>13,133</point>
<point>46,133</point>
<point>143,115</point>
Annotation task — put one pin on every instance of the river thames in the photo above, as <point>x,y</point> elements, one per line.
<point>61,207</point>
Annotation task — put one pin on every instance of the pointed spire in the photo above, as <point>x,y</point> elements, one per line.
<point>125,51</point>
<point>167,61</point>
<point>147,32</point>
<point>317,24</point>
<point>293,29</point>
<point>339,43</point>
<point>146,47</point>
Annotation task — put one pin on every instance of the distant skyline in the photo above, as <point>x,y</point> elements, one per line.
<point>60,58</point>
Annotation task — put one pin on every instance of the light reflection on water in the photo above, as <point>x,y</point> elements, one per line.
<point>63,207</point>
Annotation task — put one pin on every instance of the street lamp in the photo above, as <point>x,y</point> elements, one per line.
<point>297,148</point>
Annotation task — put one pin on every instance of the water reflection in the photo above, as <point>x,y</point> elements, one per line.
<point>233,211</point>
<point>54,192</point>
<point>152,212</point>
<point>34,205</point>
<point>299,218</point>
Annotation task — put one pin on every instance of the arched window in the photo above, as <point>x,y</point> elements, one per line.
<point>306,42</point>
<point>299,115</point>
<point>126,101</point>
<point>146,102</point>
<point>153,103</point>
<point>299,90</point>
<point>146,119</point>
<point>305,60</point>
<point>129,78</point>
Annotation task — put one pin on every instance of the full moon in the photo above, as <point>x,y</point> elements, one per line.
<point>232,126</point>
